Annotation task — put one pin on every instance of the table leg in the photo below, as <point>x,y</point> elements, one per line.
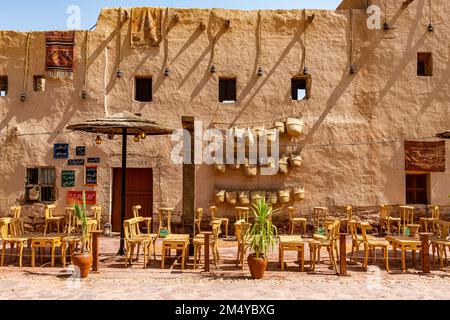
<point>207,269</point>
<point>95,251</point>
<point>282,258</point>
<point>302,259</point>
<point>33,256</point>
<point>394,251</point>
<point>403,259</point>
<point>414,257</point>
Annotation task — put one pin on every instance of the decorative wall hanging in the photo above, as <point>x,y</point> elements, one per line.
<point>60,46</point>
<point>93,160</point>
<point>90,176</point>
<point>77,196</point>
<point>427,156</point>
<point>68,178</point>
<point>61,151</point>
<point>76,162</point>
<point>80,151</point>
<point>146,26</point>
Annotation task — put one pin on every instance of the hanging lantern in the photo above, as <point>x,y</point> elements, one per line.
<point>260,71</point>
<point>137,138</point>
<point>305,71</point>
<point>143,135</point>
<point>107,229</point>
<point>213,69</point>
<point>120,73</point>
<point>430,28</point>
<point>84,94</point>
<point>98,140</point>
<point>23,97</point>
<point>352,69</point>
<point>166,71</point>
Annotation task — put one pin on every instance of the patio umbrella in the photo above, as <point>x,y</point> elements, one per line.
<point>444,135</point>
<point>124,124</point>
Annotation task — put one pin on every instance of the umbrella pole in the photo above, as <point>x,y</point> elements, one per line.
<point>122,251</point>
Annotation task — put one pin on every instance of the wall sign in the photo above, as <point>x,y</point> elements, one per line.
<point>93,160</point>
<point>68,178</point>
<point>80,151</point>
<point>425,156</point>
<point>76,162</point>
<point>90,176</point>
<point>61,151</point>
<point>74,196</point>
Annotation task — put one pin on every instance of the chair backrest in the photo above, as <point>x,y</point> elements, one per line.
<point>364,227</point>
<point>15,211</point>
<point>4,228</point>
<point>349,212</point>
<point>384,211</point>
<point>407,214</point>
<point>319,216</point>
<point>242,213</point>
<point>241,229</point>
<point>71,221</point>
<point>216,229</point>
<point>131,227</point>
<point>199,214</point>
<point>16,228</point>
<point>136,211</point>
<point>435,212</point>
<point>353,230</point>
<point>97,213</point>
<point>48,212</point>
<point>213,212</point>
<point>291,212</point>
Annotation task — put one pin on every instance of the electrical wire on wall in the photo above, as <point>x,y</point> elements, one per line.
<point>26,67</point>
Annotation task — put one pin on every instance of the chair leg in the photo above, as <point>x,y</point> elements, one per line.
<point>131,253</point>
<point>21,254</point>
<point>366,257</point>
<point>53,255</point>
<point>163,257</point>
<point>3,253</point>
<point>195,256</point>
<point>386,257</point>
<point>145,255</point>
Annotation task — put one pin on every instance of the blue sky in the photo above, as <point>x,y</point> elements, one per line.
<point>25,15</point>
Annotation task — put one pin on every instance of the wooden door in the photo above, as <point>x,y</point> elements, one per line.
<point>139,192</point>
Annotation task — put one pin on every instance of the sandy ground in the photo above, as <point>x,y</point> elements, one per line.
<point>114,282</point>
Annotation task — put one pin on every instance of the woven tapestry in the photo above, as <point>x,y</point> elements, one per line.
<point>425,156</point>
<point>146,25</point>
<point>60,54</point>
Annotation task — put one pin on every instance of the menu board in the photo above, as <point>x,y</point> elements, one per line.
<point>68,178</point>
<point>80,151</point>
<point>77,196</point>
<point>76,162</point>
<point>93,160</point>
<point>61,151</point>
<point>90,176</point>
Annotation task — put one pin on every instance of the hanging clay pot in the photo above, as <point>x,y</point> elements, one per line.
<point>296,161</point>
<point>294,126</point>
<point>284,196</point>
<point>283,166</point>
<point>257,196</point>
<point>272,198</point>
<point>280,126</point>
<point>299,193</point>
<point>244,198</point>
<point>231,197</point>
<point>219,196</point>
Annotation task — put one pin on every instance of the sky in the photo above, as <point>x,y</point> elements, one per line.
<point>27,15</point>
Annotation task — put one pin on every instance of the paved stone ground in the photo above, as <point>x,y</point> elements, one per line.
<point>226,283</point>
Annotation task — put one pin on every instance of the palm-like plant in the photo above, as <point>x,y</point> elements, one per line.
<point>263,233</point>
<point>80,213</point>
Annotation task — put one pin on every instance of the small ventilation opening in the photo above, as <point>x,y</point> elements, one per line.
<point>144,89</point>
<point>424,64</point>
<point>3,86</point>
<point>227,90</point>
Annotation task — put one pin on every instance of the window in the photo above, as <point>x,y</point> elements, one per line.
<point>227,90</point>
<point>3,86</point>
<point>416,188</point>
<point>40,185</point>
<point>424,64</point>
<point>39,83</point>
<point>300,88</point>
<point>144,89</point>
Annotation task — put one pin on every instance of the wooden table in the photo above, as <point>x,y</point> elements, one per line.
<point>179,242</point>
<point>45,241</point>
<point>95,249</point>
<point>292,243</point>
<point>405,243</point>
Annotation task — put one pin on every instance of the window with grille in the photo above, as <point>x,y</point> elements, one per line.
<point>227,90</point>
<point>40,185</point>
<point>424,64</point>
<point>3,86</point>
<point>417,188</point>
<point>144,88</point>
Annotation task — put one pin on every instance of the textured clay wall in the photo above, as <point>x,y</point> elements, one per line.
<point>383,101</point>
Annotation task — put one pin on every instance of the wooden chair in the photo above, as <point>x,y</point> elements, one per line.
<point>12,233</point>
<point>16,211</point>
<point>357,239</point>
<point>440,244</point>
<point>243,242</point>
<point>319,217</point>
<point>134,238</point>
<point>293,221</point>
<point>97,211</point>
<point>242,213</point>
<point>316,245</point>
<point>406,217</point>
<point>198,222</point>
<point>168,213</point>
<point>371,245</point>
<point>435,216</point>
<point>51,220</point>
<point>387,221</point>
<point>146,220</point>
<point>224,221</point>
<point>73,235</point>
<point>199,242</point>
<point>348,210</point>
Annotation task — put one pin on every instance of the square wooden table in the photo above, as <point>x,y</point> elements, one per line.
<point>179,242</point>
<point>405,243</point>
<point>292,243</point>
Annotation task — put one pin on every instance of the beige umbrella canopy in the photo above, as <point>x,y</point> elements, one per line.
<point>124,124</point>
<point>116,123</point>
<point>444,135</point>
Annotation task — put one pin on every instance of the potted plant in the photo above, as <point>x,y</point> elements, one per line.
<point>83,259</point>
<point>262,236</point>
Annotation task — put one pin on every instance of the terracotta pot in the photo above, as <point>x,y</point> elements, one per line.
<point>84,262</point>
<point>257,266</point>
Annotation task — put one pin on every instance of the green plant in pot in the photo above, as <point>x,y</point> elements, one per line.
<point>83,259</point>
<point>262,237</point>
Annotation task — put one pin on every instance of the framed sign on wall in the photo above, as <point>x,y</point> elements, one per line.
<point>80,151</point>
<point>68,178</point>
<point>90,176</point>
<point>76,162</point>
<point>61,151</point>
<point>77,196</point>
